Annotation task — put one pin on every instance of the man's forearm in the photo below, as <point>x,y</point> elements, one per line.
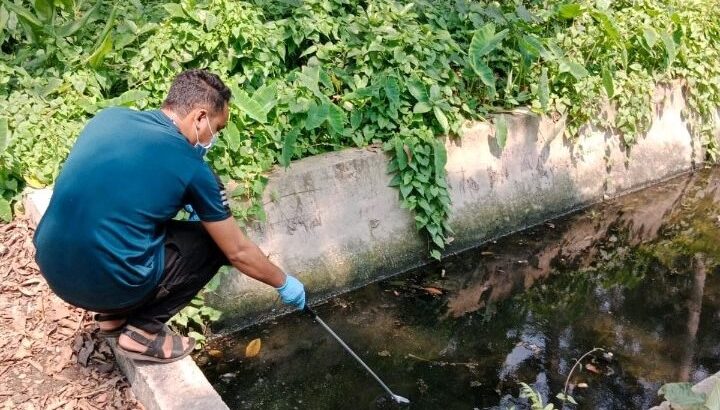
<point>252,262</point>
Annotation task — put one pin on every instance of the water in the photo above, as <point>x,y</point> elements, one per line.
<point>636,276</point>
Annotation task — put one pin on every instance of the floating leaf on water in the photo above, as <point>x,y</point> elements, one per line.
<point>433,291</point>
<point>253,348</point>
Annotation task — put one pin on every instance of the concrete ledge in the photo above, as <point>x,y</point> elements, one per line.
<point>334,222</point>
<point>178,385</point>
<point>173,386</point>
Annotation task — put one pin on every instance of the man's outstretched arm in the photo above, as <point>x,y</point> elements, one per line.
<point>247,257</point>
<point>243,254</point>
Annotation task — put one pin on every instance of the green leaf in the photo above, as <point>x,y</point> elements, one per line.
<point>530,47</point>
<point>395,181</point>
<point>418,90</point>
<point>355,119</point>
<point>570,10</point>
<point>232,136</point>
<point>5,210</point>
<point>650,36</point>
<point>438,240</point>
<point>577,70</point>
<point>105,43</point>
<point>24,15</point>
<point>485,74</point>
<point>422,107</point>
<point>524,14</point>
<point>44,9</point>
<point>266,97</point>
<point>316,115</point>
<point>544,90</point>
<point>132,96</point>
<point>405,190</point>
<point>608,82</point>
<point>392,90</point>
<point>484,41</point>
<point>435,254</point>
<point>175,10</point>
<point>442,119</point>
<point>288,147</point>
<point>681,394</point>
<point>69,28</point>
<point>199,337</point>
<point>501,131</point>
<point>97,57</point>
<point>310,78</point>
<point>670,49</point>
<point>336,118</point>
<point>439,161</point>
<point>608,24</point>
<point>180,319</point>
<point>4,134</point>
<point>400,154</point>
<point>249,106</point>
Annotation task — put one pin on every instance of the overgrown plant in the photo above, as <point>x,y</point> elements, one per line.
<point>320,75</point>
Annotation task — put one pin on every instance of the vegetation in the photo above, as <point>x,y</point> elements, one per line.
<point>310,76</point>
<point>318,75</point>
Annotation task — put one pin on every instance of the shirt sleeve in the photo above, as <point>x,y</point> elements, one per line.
<point>207,196</point>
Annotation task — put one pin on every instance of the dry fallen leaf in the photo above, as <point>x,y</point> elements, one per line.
<point>433,291</point>
<point>215,353</point>
<point>253,348</point>
<point>19,319</point>
<point>24,350</point>
<point>384,353</point>
<point>591,368</point>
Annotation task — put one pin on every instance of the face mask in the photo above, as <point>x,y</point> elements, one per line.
<point>203,149</point>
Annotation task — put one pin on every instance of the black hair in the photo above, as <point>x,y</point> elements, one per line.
<point>197,88</point>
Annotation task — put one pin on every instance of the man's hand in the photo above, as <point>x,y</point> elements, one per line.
<point>292,292</point>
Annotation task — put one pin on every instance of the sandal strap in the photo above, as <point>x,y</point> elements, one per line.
<point>137,337</point>
<point>177,347</point>
<point>154,347</point>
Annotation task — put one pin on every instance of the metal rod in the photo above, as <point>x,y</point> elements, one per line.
<point>394,396</point>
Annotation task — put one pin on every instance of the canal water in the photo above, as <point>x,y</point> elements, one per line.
<point>635,276</point>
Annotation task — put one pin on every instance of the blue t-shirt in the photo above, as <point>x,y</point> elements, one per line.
<point>100,244</point>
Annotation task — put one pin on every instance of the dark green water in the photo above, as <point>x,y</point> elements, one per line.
<point>636,276</point>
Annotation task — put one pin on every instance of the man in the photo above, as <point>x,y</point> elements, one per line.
<point>108,243</point>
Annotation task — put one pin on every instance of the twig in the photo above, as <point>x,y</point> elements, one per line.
<point>594,349</point>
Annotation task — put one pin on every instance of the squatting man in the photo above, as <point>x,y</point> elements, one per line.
<point>108,242</point>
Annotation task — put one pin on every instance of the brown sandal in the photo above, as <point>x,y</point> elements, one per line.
<point>154,351</point>
<point>105,317</point>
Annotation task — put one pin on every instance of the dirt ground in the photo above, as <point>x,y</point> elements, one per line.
<point>50,355</point>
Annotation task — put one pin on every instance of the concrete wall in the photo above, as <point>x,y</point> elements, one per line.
<point>334,222</point>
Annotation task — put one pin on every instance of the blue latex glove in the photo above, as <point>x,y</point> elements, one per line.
<point>292,292</point>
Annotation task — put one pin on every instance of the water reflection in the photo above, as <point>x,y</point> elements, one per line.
<point>634,276</point>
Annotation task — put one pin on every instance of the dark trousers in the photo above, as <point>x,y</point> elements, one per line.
<point>191,259</point>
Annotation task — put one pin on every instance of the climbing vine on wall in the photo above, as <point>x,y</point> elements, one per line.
<point>318,75</point>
